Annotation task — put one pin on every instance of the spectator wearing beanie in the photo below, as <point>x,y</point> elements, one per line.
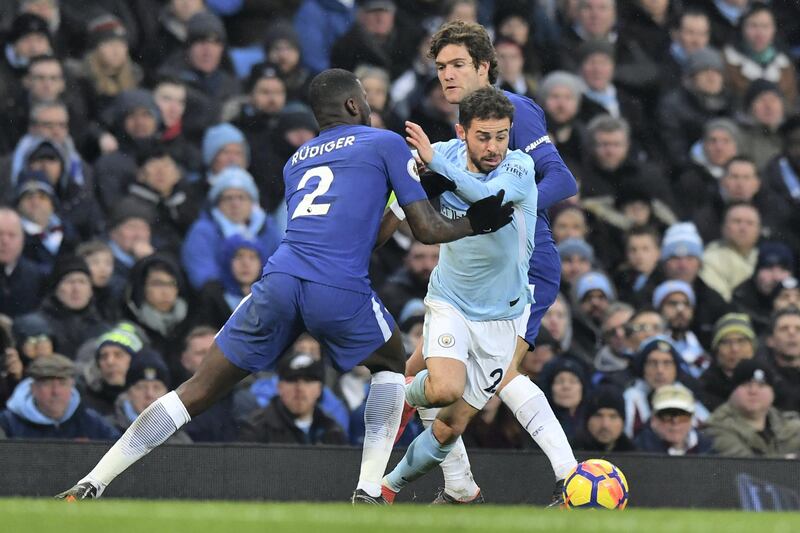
<point>734,341</point>
<point>133,119</point>
<point>720,143</point>
<point>129,237</point>
<point>670,428</point>
<point>592,295</point>
<point>28,37</point>
<point>162,188</point>
<point>224,145</point>
<point>147,379</point>
<point>675,301</point>
<point>46,235</point>
<point>681,258</point>
<point>156,299</point>
<point>657,363</point>
<point>577,258</point>
<point>753,55</point>
<point>240,263</point>
<point>46,405</point>
<point>560,94</point>
<point>233,210</point>
<point>171,33</point>
<point>69,176</point>
<point>282,48</point>
<point>748,425</point>
<point>605,421</point>
<point>107,68</point>
<point>565,384</point>
<point>105,379</point>
<point>69,308</point>
<point>684,111</point>
<point>754,296</point>
<point>764,108</point>
<point>730,260</point>
<point>786,294</point>
<point>203,65</point>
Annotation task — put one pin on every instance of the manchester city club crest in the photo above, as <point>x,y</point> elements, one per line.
<point>446,340</point>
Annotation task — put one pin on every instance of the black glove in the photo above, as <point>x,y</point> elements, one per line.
<point>490,214</point>
<point>435,184</point>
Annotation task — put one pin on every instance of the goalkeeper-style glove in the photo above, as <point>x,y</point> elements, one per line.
<point>490,214</point>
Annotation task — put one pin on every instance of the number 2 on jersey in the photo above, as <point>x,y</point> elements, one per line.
<point>307,207</point>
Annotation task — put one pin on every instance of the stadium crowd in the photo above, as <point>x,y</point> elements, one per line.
<point>141,154</point>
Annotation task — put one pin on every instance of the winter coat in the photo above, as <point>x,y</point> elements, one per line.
<point>741,70</point>
<point>274,424</point>
<point>710,306</point>
<point>724,268</point>
<point>71,328</point>
<point>648,441</point>
<point>401,287</point>
<point>357,47</point>
<point>734,436</point>
<point>21,291</point>
<point>173,214</point>
<point>716,385</point>
<point>319,24</point>
<point>586,442</point>
<point>23,420</point>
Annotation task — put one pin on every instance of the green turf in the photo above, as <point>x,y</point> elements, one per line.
<point>121,516</point>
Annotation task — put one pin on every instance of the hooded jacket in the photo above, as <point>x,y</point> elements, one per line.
<point>23,420</point>
<point>734,437</point>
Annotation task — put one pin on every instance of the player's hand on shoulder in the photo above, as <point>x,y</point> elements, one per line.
<point>435,184</point>
<point>489,214</point>
<point>419,140</point>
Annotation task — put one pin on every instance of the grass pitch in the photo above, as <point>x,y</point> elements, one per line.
<point>123,516</point>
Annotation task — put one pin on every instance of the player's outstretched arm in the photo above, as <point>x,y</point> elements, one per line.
<point>484,216</point>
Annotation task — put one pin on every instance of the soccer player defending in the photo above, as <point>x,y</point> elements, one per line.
<point>465,62</point>
<point>336,189</point>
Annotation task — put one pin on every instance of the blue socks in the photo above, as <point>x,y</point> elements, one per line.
<point>424,454</point>
<point>415,391</point>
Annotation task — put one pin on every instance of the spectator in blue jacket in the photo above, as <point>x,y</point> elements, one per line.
<point>234,210</point>
<point>319,23</point>
<point>47,405</point>
<point>670,429</point>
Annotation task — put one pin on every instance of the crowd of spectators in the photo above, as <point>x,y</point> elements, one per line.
<point>141,153</point>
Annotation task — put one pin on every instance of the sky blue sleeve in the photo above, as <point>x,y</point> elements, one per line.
<point>515,176</point>
<point>529,134</point>
<point>401,169</point>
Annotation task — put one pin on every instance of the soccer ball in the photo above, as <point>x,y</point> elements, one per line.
<point>595,484</point>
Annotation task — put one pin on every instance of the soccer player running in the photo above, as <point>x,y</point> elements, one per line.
<point>336,190</point>
<point>465,62</point>
<point>478,297</point>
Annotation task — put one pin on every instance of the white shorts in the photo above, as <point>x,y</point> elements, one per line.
<point>486,348</point>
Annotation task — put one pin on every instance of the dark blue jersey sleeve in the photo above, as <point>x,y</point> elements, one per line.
<point>401,169</point>
<point>529,134</point>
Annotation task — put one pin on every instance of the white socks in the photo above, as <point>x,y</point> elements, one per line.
<point>458,481</point>
<point>381,420</point>
<point>151,428</point>
<point>530,407</point>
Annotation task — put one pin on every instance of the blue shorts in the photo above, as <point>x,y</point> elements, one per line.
<point>349,325</point>
<point>545,277</point>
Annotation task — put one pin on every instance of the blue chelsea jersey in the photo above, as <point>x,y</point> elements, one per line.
<point>337,185</point>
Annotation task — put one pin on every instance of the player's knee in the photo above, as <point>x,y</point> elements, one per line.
<point>442,393</point>
<point>446,432</point>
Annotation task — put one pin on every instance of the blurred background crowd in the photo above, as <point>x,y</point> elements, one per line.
<point>141,153</point>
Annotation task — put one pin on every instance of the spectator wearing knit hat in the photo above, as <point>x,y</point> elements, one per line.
<point>146,380</point>
<point>681,257</point>
<point>46,405</point>
<point>129,237</point>
<point>224,145</point>
<point>203,65</point>
<point>28,37</point>
<point>107,68</point>
<point>786,294</point>
<point>730,260</point>
<point>105,379</point>
<point>171,32</point>
<point>233,210</point>
<point>577,258</point>
<point>657,363</point>
<point>591,296</point>
<point>670,428</point>
<point>754,296</point>
<point>559,94</point>
<point>69,308</point>
<point>754,55</point>
<point>675,300</point>
<point>282,48</point>
<point>605,421</point>
<point>748,424</point>
<point>46,234</point>
<point>566,386</point>
<point>764,108</point>
<point>734,341</point>
<point>708,157</point>
<point>684,111</point>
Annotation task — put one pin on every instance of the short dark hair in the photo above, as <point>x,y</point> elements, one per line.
<point>677,20</point>
<point>741,159</point>
<point>739,203</point>
<point>329,87</point>
<point>641,231</point>
<point>43,58</point>
<point>789,311</point>
<point>168,79</point>
<point>486,103</point>
<point>198,331</point>
<point>471,35</point>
